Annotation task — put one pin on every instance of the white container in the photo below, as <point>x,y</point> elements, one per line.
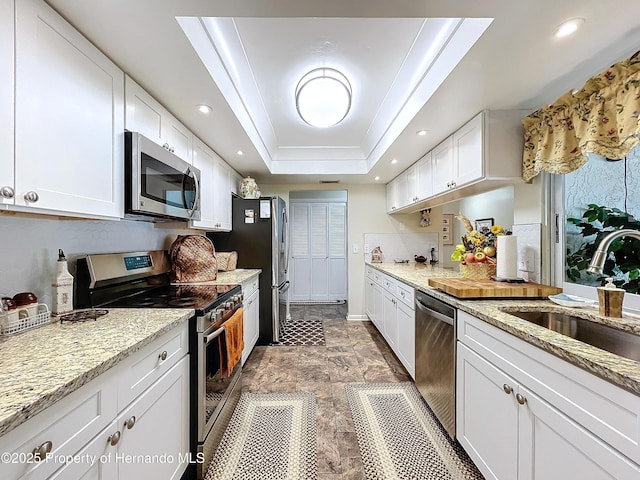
<point>62,287</point>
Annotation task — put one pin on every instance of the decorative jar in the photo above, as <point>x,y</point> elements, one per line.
<point>249,188</point>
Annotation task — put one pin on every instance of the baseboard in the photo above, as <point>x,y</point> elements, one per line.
<point>358,318</point>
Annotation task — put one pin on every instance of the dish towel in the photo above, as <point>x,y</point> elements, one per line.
<point>232,344</point>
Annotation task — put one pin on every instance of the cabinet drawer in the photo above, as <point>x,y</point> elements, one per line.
<point>69,424</point>
<point>143,368</point>
<point>389,284</point>
<point>250,286</point>
<point>606,410</point>
<point>405,294</point>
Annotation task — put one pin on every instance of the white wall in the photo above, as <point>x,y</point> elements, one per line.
<point>366,213</point>
<point>30,246</point>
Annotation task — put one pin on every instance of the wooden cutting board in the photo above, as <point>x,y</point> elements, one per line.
<point>485,288</point>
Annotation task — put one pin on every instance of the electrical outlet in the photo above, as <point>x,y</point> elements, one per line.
<point>356,248</point>
<point>366,248</point>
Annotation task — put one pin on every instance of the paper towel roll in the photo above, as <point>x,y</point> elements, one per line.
<point>507,256</point>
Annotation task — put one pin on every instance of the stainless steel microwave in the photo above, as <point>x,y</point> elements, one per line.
<point>158,184</point>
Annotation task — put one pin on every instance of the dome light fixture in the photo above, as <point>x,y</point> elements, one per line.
<point>569,27</point>
<point>323,97</point>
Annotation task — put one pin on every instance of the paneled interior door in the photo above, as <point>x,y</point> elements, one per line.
<point>318,251</point>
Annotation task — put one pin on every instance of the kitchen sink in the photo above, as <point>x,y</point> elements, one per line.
<point>620,342</point>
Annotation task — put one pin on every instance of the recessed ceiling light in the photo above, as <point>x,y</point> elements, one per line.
<point>204,108</point>
<point>421,133</point>
<point>569,27</point>
<point>377,178</point>
<point>394,161</point>
<point>240,152</point>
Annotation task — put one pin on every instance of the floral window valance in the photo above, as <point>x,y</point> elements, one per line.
<point>600,118</point>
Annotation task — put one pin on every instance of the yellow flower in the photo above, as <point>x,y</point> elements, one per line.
<point>496,229</point>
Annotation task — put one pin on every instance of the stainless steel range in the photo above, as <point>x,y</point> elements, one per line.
<point>141,280</point>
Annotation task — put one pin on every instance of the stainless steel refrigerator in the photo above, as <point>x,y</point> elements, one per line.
<point>260,236</point>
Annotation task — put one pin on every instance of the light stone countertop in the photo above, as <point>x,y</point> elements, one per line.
<point>39,367</point>
<point>614,368</point>
<point>233,277</point>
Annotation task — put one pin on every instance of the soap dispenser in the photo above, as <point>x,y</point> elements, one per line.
<point>62,287</point>
<point>610,299</point>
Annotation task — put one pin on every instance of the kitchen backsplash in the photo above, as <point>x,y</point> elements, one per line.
<point>30,247</point>
<point>400,246</point>
<point>529,248</point>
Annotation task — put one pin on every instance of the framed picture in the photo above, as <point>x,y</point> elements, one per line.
<point>447,223</point>
<point>484,222</point>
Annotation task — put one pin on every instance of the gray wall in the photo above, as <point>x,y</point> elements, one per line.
<point>30,247</point>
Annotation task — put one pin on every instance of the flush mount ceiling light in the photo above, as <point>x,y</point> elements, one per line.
<point>204,108</point>
<point>568,28</point>
<point>421,133</point>
<point>323,97</point>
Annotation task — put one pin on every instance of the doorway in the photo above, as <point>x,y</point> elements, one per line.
<point>318,235</point>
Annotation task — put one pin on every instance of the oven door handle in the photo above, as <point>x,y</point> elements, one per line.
<point>209,338</point>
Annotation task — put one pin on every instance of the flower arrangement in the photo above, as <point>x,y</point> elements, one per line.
<point>477,246</point>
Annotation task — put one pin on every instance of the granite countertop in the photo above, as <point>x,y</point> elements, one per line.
<point>39,367</point>
<point>614,368</point>
<point>233,277</point>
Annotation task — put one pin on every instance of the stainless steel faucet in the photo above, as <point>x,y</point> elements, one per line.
<point>597,262</point>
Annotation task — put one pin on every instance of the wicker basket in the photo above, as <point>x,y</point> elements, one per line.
<point>477,270</point>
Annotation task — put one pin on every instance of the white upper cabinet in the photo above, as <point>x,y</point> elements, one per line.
<point>69,118</point>
<point>424,177</point>
<point>6,102</point>
<point>393,192</point>
<point>146,115</point>
<point>484,154</point>
<point>215,189</point>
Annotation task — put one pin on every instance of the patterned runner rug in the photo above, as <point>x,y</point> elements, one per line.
<point>271,436</point>
<point>399,437</point>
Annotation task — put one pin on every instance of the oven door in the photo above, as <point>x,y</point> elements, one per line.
<point>217,396</point>
<point>158,182</point>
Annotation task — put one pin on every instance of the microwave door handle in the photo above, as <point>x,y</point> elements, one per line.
<point>197,194</point>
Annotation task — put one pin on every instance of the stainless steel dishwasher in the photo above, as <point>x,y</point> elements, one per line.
<point>436,357</point>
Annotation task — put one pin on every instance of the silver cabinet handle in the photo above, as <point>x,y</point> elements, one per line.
<point>130,422</point>
<point>40,452</point>
<point>521,400</point>
<point>453,184</point>
<point>7,192</point>
<point>163,356</point>
<point>507,389</point>
<point>165,145</point>
<point>172,150</point>
<point>31,196</point>
<point>114,439</point>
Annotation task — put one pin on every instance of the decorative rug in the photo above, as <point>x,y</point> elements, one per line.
<point>400,438</point>
<point>271,436</point>
<point>303,333</point>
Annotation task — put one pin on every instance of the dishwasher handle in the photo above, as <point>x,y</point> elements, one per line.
<point>433,313</point>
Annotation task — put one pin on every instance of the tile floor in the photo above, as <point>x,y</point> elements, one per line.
<point>354,353</point>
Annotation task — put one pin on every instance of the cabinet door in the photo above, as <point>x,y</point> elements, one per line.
<point>368,298</point>
<point>487,415</point>
<point>96,461</point>
<point>468,152</point>
<point>393,201</point>
<point>204,160</point>
<point>69,118</point>
<point>251,319</point>
<point>378,307</point>
<point>424,177</point>
<point>159,428</point>
<point>552,446</point>
<point>443,166</point>
<point>222,194</point>
<point>390,320</point>
<point>406,337</point>
<point>143,113</point>
<point>178,138</point>
<point>6,101</point>
<point>236,181</point>
<point>410,194</point>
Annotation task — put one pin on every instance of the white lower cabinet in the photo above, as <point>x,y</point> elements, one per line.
<point>389,305</point>
<point>250,315</point>
<point>526,415</point>
<point>97,432</point>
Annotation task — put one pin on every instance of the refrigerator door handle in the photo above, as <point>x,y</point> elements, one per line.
<point>285,238</point>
